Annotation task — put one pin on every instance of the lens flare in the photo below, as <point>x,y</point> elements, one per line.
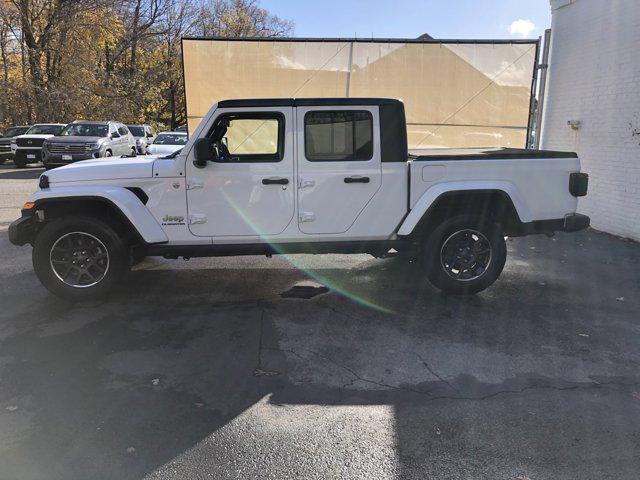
<point>280,250</point>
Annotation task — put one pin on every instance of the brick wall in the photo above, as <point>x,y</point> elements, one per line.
<point>594,77</point>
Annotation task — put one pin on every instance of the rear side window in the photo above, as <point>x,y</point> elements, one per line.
<point>340,135</point>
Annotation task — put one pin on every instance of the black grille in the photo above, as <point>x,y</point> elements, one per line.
<point>5,147</point>
<point>29,142</point>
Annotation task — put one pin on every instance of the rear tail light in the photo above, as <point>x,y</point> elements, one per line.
<point>578,184</point>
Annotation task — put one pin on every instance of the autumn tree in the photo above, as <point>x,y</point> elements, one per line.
<point>99,59</point>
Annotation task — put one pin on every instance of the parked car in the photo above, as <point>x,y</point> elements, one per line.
<point>5,141</point>
<point>168,142</point>
<point>27,148</point>
<point>181,128</point>
<point>82,140</point>
<point>144,135</point>
<point>312,175</point>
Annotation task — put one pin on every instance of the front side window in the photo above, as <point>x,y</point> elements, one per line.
<point>85,130</point>
<point>340,135</point>
<point>251,137</point>
<point>122,130</point>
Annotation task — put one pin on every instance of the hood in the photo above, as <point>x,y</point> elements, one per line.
<point>74,139</point>
<point>38,135</point>
<point>105,168</point>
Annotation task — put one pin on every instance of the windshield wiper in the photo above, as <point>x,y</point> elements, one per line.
<point>172,155</point>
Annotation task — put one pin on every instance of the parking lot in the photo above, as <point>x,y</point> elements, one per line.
<point>324,367</point>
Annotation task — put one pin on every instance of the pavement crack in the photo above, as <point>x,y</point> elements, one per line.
<point>356,377</point>
<point>436,374</point>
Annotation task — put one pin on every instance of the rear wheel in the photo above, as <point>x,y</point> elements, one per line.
<point>79,258</point>
<point>464,255</point>
<point>107,153</point>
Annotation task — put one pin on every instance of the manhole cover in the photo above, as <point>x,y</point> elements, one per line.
<point>304,291</point>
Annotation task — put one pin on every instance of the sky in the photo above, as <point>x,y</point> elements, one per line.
<point>486,19</point>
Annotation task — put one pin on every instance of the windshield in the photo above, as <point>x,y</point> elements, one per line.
<point>15,131</point>
<point>170,139</point>
<point>136,130</point>
<point>45,130</point>
<point>86,130</point>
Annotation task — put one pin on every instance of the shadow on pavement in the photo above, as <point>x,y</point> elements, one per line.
<point>10,172</point>
<point>184,373</point>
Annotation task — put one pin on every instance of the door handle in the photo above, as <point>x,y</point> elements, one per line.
<point>356,180</point>
<point>275,181</point>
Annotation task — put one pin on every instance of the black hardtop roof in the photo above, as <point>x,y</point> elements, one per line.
<point>306,102</point>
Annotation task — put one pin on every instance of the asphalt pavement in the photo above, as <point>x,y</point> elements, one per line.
<point>320,367</point>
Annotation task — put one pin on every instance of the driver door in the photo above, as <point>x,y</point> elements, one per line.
<point>248,192</point>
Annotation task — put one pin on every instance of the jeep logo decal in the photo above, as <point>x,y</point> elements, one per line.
<point>173,220</point>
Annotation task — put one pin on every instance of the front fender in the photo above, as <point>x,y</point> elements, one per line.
<point>120,198</point>
<point>429,197</point>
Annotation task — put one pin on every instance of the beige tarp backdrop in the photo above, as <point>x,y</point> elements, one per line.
<point>455,94</point>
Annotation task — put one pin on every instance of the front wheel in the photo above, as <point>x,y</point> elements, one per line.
<point>464,255</point>
<point>79,258</point>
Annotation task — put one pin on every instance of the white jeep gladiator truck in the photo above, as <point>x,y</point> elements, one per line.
<point>272,176</point>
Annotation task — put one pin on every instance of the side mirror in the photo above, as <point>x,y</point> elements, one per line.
<point>114,135</point>
<point>203,151</point>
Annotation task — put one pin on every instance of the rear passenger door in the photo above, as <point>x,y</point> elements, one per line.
<point>339,168</point>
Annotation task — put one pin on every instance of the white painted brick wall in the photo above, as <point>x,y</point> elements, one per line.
<point>594,77</point>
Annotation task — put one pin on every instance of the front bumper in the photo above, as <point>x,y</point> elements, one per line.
<point>23,230</point>
<point>56,158</point>
<point>30,155</point>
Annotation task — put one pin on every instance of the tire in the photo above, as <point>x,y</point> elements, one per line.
<point>83,239</point>
<point>456,259</point>
<point>107,153</point>
<point>19,161</point>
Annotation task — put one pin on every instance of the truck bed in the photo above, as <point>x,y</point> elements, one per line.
<point>536,180</point>
<point>448,154</point>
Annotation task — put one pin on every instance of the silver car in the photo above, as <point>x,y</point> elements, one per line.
<point>82,140</point>
<point>144,135</point>
<point>168,142</point>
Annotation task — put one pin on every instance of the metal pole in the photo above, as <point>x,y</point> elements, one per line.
<point>349,67</point>
<point>532,102</point>
<point>543,67</point>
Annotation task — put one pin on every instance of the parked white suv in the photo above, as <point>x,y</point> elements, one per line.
<point>298,176</point>
<point>27,148</point>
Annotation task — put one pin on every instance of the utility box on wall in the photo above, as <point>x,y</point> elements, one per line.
<point>592,105</point>
<point>457,93</point>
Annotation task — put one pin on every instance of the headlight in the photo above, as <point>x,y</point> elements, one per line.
<point>95,146</point>
<point>14,143</point>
